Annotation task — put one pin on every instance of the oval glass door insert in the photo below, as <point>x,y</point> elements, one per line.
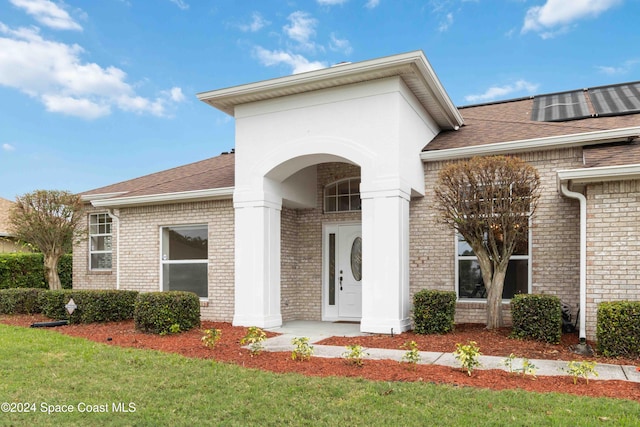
<point>356,259</point>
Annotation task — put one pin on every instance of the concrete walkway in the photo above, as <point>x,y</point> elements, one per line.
<point>317,331</point>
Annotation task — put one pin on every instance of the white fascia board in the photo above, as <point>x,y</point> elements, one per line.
<point>535,144</point>
<point>100,196</point>
<point>599,174</point>
<point>157,199</point>
<point>226,99</point>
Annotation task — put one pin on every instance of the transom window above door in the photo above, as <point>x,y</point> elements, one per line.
<point>342,196</point>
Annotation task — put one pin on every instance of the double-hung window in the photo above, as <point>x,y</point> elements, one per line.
<point>184,259</point>
<point>468,274</point>
<point>470,283</point>
<point>100,241</point>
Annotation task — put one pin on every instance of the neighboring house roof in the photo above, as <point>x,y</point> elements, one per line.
<point>191,181</point>
<point>5,206</point>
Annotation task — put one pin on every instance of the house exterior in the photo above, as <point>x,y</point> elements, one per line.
<point>325,210</point>
<point>7,242</point>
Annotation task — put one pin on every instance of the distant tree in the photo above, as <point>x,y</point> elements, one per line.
<point>49,220</point>
<point>488,201</point>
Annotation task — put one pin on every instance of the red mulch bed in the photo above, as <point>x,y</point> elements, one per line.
<point>490,342</point>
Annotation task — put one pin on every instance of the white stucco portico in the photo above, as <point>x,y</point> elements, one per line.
<point>377,115</point>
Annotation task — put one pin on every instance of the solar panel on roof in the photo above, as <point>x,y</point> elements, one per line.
<point>618,99</point>
<point>560,107</point>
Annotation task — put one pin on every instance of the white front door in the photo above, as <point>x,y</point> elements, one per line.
<point>343,290</point>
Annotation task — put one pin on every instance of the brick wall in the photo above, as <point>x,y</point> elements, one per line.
<point>140,252</point>
<point>555,239</point>
<point>613,245</point>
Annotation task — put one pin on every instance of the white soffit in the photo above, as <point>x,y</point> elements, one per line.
<point>412,67</point>
<point>156,199</point>
<point>599,174</point>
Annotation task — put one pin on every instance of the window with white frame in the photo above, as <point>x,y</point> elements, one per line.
<point>184,259</point>
<point>343,196</point>
<point>469,277</point>
<point>100,240</point>
<point>468,274</point>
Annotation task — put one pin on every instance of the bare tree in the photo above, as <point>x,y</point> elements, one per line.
<point>49,220</point>
<point>489,201</point>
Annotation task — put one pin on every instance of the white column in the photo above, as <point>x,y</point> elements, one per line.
<point>385,261</point>
<point>257,262</point>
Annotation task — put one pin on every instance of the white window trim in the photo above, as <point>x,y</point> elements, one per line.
<point>182,261</point>
<point>528,257</point>
<point>91,251</point>
<point>324,195</point>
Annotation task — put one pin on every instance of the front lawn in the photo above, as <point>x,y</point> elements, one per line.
<point>44,370</point>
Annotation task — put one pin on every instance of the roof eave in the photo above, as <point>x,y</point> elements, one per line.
<point>414,63</point>
<point>598,174</point>
<point>166,198</point>
<point>535,144</point>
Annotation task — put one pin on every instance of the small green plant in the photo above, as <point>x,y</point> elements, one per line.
<point>355,354</point>
<point>582,369</point>
<point>412,356</point>
<point>211,337</point>
<point>303,350</point>
<point>174,328</point>
<point>508,362</point>
<point>468,355</point>
<point>254,338</point>
<point>528,368</point>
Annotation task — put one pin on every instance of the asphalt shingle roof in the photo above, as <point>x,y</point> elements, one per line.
<point>215,172</point>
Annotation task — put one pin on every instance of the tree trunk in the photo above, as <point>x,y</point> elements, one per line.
<point>51,271</point>
<point>494,299</point>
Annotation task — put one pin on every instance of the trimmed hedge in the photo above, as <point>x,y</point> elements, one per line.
<point>20,300</point>
<point>618,328</point>
<point>433,311</point>
<point>26,270</point>
<point>160,312</point>
<point>93,305</point>
<point>537,317</point>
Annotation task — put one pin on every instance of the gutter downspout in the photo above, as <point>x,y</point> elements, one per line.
<point>583,255</point>
<point>115,217</point>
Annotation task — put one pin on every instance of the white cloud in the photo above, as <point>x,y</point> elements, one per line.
<point>446,22</point>
<point>372,4</point>
<point>555,16</point>
<point>298,63</point>
<point>48,13</point>
<point>330,2</point>
<point>181,4</point>
<point>340,45</point>
<point>257,23</point>
<point>496,92</point>
<point>8,147</point>
<point>622,69</point>
<point>176,94</point>
<point>54,73</point>
<point>301,29</point>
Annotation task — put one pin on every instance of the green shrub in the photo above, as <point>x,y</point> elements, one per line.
<point>159,312</point>
<point>26,270</point>
<point>20,300</point>
<point>618,328</point>
<point>537,317</point>
<point>433,311</point>
<point>93,305</point>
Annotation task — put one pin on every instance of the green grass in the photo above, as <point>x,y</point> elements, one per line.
<point>44,367</point>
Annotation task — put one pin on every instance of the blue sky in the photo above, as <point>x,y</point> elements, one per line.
<point>96,92</point>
